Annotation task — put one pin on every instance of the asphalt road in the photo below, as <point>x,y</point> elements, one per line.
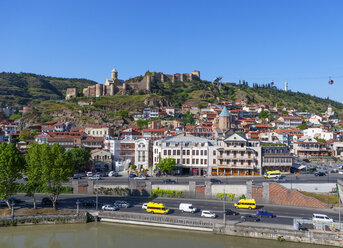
<point>284,214</point>
<point>299,178</point>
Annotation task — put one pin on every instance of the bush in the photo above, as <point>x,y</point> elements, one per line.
<point>243,197</point>
<point>166,193</point>
<point>223,196</point>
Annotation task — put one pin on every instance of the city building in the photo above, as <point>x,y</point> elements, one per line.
<point>101,160</point>
<point>276,158</point>
<point>309,147</point>
<point>143,154</point>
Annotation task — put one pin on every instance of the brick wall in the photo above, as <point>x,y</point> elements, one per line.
<point>280,195</point>
<point>257,193</point>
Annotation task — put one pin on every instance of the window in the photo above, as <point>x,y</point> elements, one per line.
<point>214,161</point>
<point>188,152</point>
<point>183,161</point>
<point>165,152</point>
<point>214,152</point>
<point>197,161</point>
<point>187,160</point>
<point>183,152</point>
<point>201,161</point>
<point>201,152</point>
<point>205,161</point>
<point>205,152</point>
<point>193,161</point>
<point>193,152</point>
<point>178,152</point>
<point>197,152</point>
<point>174,152</point>
<point>169,152</point>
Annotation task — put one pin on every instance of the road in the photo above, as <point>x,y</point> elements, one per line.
<point>285,214</point>
<point>300,178</point>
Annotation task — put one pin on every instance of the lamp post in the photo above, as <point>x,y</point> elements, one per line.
<point>77,207</point>
<point>12,211</point>
<point>224,213</point>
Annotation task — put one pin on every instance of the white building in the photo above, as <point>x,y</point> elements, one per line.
<point>143,154</point>
<point>193,155</point>
<point>319,133</point>
<point>315,119</point>
<point>97,130</point>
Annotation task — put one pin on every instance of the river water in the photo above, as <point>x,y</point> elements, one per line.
<point>103,235</point>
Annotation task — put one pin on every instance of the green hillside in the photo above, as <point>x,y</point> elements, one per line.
<point>23,88</point>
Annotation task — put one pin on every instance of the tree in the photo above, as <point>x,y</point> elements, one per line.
<point>264,114</point>
<point>142,123</point>
<point>79,157</point>
<point>303,126</point>
<point>200,106</point>
<point>133,167</point>
<point>27,134</point>
<point>124,113</point>
<point>11,164</point>
<point>33,171</point>
<point>166,164</point>
<point>284,112</point>
<point>56,169</point>
<point>188,118</point>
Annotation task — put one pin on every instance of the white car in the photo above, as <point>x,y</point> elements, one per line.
<point>140,177</point>
<point>321,218</point>
<point>89,174</point>
<point>108,207</point>
<point>145,205</point>
<point>340,172</point>
<point>95,177</point>
<point>208,214</point>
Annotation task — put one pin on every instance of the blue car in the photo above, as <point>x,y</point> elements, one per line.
<point>132,175</point>
<point>263,213</point>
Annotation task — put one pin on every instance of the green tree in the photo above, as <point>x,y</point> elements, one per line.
<point>27,134</point>
<point>79,157</point>
<point>33,171</point>
<point>284,112</point>
<point>11,164</point>
<point>56,169</point>
<point>124,113</point>
<point>15,116</point>
<point>133,167</point>
<point>166,164</point>
<point>142,124</point>
<point>303,126</point>
<point>188,118</point>
<point>200,106</point>
<point>264,114</point>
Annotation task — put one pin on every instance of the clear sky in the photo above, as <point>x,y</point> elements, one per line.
<point>258,41</point>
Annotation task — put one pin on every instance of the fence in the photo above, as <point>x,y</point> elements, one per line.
<point>161,219</point>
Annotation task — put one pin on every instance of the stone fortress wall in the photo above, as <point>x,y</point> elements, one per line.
<point>114,86</point>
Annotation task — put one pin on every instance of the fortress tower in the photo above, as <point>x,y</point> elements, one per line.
<point>114,74</point>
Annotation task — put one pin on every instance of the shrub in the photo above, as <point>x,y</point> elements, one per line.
<point>166,193</point>
<point>242,197</point>
<point>223,196</point>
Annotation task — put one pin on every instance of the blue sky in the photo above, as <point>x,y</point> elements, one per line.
<point>258,41</point>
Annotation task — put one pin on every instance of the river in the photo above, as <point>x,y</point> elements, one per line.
<point>104,235</point>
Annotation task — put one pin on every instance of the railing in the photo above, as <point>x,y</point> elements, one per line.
<point>161,219</point>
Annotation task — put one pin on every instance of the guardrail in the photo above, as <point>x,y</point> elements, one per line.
<point>161,219</point>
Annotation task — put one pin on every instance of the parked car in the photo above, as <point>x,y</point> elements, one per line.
<point>3,203</point>
<point>88,203</point>
<point>319,174</point>
<point>140,177</point>
<point>215,180</point>
<point>122,204</point>
<point>280,180</point>
<point>249,217</point>
<point>169,181</point>
<point>188,208</point>
<point>113,174</point>
<point>263,213</point>
<point>145,205</point>
<point>103,174</point>
<point>109,207</point>
<point>132,175</point>
<point>89,174</point>
<point>230,212</point>
<point>302,228</point>
<point>76,176</point>
<point>46,201</point>
<point>340,172</point>
<point>208,214</point>
<point>335,171</point>
<point>14,200</point>
<point>95,177</point>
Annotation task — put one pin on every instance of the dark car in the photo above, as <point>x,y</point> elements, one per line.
<point>249,217</point>
<point>46,201</point>
<point>132,175</point>
<point>263,213</point>
<point>320,174</point>
<point>122,204</point>
<point>76,176</point>
<point>169,181</point>
<point>230,212</point>
<point>302,228</point>
<point>14,200</point>
<point>88,203</point>
<point>215,180</point>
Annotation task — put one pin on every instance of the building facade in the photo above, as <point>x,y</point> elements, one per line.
<point>276,158</point>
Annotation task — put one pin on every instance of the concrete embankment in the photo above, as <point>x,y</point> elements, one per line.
<point>252,230</point>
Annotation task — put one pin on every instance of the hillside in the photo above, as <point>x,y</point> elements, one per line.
<point>24,88</point>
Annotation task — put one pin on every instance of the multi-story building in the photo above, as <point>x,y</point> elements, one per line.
<point>276,158</point>
<point>192,154</point>
<point>97,130</point>
<point>199,131</point>
<point>143,154</point>
<point>288,122</point>
<point>101,159</point>
<point>236,155</point>
<point>310,147</point>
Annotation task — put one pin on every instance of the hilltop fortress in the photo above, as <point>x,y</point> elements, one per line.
<point>114,86</point>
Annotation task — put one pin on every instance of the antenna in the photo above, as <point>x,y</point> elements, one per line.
<point>217,81</point>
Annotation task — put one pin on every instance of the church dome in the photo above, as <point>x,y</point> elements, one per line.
<point>224,113</point>
<point>114,70</point>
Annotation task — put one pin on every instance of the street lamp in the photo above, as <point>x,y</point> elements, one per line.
<point>77,207</point>
<point>224,212</point>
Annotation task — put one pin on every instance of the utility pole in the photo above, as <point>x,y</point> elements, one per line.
<point>224,213</point>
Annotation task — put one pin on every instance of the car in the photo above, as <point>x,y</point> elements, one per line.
<point>249,217</point>
<point>113,174</point>
<point>88,203</point>
<point>340,172</point>
<point>306,160</point>
<point>89,174</point>
<point>132,175</point>
<point>335,171</point>
<point>187,207</point>
<point>76,176</point>
<point>280,180</point>
<point>46,201</point>
<point>230,212</point>
<point>215,180</point>
<point>95,177</point>
<point>140,177</point>
<point>109,207</point>
<point>14,200</point>
<point>144,205</point>
<point>302,228</point>
<point>103,174</point>
<point>169,181</point>
<point>3,203</point>
<point>122,204</point>
<point>263,213</point>
<point>208,214</point>
<point>321,218</point>
<point>319,174</point>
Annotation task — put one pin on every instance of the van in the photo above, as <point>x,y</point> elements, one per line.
<point>321,218</point>
<point>187,207</point>
<point>156,208</point>
<point>246,204</point>
<point>272,174</point>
